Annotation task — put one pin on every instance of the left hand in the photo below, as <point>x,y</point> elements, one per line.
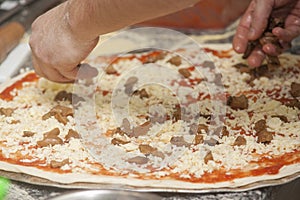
<point>255,20</point>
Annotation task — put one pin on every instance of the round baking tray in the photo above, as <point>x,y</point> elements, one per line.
<point>107,195</point>
<point>25,178</point>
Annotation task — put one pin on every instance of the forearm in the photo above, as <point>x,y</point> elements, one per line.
<point>90,18</point>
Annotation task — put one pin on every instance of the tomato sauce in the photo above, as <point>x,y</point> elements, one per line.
<point>266,166</point>
<point>143,58</point>
<point>219,54</point>
<point>105,92</point>
<point>6,94</point>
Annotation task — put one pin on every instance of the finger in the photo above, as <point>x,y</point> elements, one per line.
<point>240,38</point>
<point>287,34</point>
<point>260,18</point>
<point>272,50</point>
<point>256,58</point>
<point>37,68</point>
<point>285,45</point>
<point>82,71</point>
<point>53,75</point>
<point>49,73</point>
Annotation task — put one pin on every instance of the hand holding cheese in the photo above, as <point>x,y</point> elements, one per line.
<point>255,21</point>
<point>65,35</point>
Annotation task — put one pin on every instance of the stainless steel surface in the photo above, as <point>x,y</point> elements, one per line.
<point>82,185</point>
<point>289,191</point>
<point>107,195</point>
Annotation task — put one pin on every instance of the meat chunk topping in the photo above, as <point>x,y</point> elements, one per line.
<point>208,157</point>
<point>50,138</point>
<point>239,141</point>
<point>7,112</point>
<point>185,72</point>
<point>110,70</point>
<point>260,125</point>
<point>295,89</point>
<point>179,141</point>
<point>240,102</point>
<point>175,60</point>
<point>264,137</point>
<point>116,141</point>
<point>147,150</point>
<point>139,160</point>
<point>60,113</point>
<point>28,133</point>
<point>199,139</point>
<point>141,93</point>
<point>68,96</point>
<point>59,164</point>
<point>71,134</point>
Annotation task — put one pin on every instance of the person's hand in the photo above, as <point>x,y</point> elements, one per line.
<point>65,35</point>
<point>56,50</point>
<point>255,20</point>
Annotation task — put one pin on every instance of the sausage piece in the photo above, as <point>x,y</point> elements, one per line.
<point>240,102</point>
<point>59,164</point>
<point>141,93</point>
<point>260,125</point>
<point>110,70</point>
<point>7,112</point>
<point>264,137</point>
<point>239,141</point>
<point>185,72</point>
<point>175,60</point>
<point>28,133</point>
<point>179,141</point>
<point>199,139</point>
<point>208,157</point>
<point>72,134</point>
<point>116,141</point>
<point>295,89</point>
<point>50,138</point>
<point>140,160</point>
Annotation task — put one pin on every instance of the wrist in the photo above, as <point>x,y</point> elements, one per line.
<point>77,24</point>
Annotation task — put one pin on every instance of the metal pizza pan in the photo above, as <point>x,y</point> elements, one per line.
<point>107,195</point>
<point>103,186</point>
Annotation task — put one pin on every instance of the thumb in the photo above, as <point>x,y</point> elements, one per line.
<point>81,71</point>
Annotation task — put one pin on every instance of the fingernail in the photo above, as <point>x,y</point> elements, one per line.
<point>251,33</point>
<point>254,62</point>
<point>237,48</point>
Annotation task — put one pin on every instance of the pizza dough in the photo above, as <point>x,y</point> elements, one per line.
<point>190,119</point>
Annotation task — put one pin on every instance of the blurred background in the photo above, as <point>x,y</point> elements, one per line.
<point>205,15</point>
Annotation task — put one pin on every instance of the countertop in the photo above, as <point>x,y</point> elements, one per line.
<point>288,191</point>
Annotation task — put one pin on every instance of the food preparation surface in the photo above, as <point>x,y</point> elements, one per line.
<point>289,191</point>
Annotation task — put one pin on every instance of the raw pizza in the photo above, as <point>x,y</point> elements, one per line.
<point>158,119</point>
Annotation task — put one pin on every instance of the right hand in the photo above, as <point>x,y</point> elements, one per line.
<point>255,20</point>
<point>66,34</point>
<point>56,50</point>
